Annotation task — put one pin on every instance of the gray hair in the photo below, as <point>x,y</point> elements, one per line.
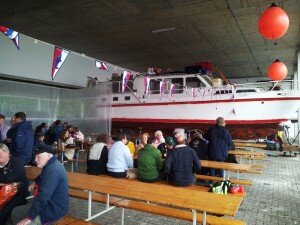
<point>220,121</point>
<point>4,148</point>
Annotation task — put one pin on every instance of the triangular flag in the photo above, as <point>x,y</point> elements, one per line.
<point>126,76</point>
<point>59,57</point>
<point>161,88</point>
<point>101,65</point>
<point>147,85</point>
<point>172,90</point>
<point>11,34</point>
<point>193,92</point>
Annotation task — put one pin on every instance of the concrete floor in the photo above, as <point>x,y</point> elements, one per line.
<point>273,199</point>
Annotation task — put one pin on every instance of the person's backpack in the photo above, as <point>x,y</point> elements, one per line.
<point>221,187</point>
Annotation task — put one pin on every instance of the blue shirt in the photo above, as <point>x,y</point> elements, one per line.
<point>119,158</point>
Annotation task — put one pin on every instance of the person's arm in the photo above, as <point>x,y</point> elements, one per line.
<point>21,139</point>
<point>47,185</point>
<point>128,157</point>
<point>168,162</point>
<point>196,163</point>
<point>159,160</point>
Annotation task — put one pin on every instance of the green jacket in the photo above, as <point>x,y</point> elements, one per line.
<point>150,162</point>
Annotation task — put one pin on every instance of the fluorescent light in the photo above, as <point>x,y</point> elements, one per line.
<point>163,30</point>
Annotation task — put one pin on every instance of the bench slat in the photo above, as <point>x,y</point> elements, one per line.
<point>74,221</point>
<point>234,181</point>
<point>175,213</point>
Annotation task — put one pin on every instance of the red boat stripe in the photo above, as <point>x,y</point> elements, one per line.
<point>208,102</point>
<point>147,120</point>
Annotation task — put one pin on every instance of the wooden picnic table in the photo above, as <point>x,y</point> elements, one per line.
<point>156,193</point>
<point>235,167</point>
<point>245,144</point>
<point>242,153</point>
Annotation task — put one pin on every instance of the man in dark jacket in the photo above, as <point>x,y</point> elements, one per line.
<point>181,163</point>
<point>52,201</point>
<point>220,142</point>
<point>12,170</point>
<point>22,138</point>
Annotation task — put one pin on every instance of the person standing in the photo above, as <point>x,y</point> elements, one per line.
<point>51,200</point>
<point>22,138</point>
<point>181,163</point>
<point>119,158</point>
<point>3,129</point>
<point>12,170</point>
<point>219,142</point>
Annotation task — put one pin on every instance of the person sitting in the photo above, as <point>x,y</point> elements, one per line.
<point>98,156</point>
<point>200,145</point>
<point>165,147</point>
<point>274,142</point>
<point>51,200</point>
<point>150,164</point>
<point>66,142</point>
<point>119,158</point>
<point>12,170</point>
<point>131,147</point>
<point>78,135</point>
<point>158,137</point>
<point>39,142</point>
<point>181,163</point>
<point>144,141</point>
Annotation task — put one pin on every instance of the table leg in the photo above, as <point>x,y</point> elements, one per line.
<point>123,216</point>
<point>204,218</point>
<point>107,201</point>
<point>194,217</point>
<point>90,204</point>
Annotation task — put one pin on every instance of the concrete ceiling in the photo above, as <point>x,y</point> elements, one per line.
<point>120,32</point>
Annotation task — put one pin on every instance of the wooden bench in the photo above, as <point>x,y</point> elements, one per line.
<point>155,209</point>
<point>261,158</point>
<point>234,181</point>
<point>74,221</point>
<point>261,166</point>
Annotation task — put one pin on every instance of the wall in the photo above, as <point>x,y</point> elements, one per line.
<point>34,61</point>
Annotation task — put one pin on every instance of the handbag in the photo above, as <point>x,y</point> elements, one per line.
<point>7,192</point>
<point>131,173</point>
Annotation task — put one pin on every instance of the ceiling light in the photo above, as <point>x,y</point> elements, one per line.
<point>163,30</point>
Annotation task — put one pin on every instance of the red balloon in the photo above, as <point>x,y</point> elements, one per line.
<point>273,23</point>
<point>277,71</point>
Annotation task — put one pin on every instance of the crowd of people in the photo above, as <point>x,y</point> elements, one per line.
<point>156,158</point>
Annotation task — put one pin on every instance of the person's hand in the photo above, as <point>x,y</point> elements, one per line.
<point>31,187</point>
<point>24,222</point>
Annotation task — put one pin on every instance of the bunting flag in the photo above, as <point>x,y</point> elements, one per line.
<point>172,90</point>
<point>59,58</point>
<point>147,85</point>
<point>11,34</point>
<point>126,77</point>
<point>161,88</point>
<point>193,92</point>
<point>101,65</point>
<point>233,111</point>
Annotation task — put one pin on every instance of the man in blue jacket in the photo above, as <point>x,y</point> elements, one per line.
<point>51,200</point>
<point>22,138</point>
<point>220,142</point>
<point>181,163</point>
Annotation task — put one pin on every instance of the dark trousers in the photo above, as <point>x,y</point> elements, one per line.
<point>18,200</point>
<point>161,176</point>
<point>117,174</point>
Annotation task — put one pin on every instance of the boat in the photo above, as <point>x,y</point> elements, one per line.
<point>191,101</point>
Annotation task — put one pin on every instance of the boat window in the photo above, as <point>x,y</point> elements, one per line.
<point>245,90</point>
<point>194,82</point>
<point>223,92</point>
<point>127,98</point>
<point>154,86</point>
<point>115,98</point>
